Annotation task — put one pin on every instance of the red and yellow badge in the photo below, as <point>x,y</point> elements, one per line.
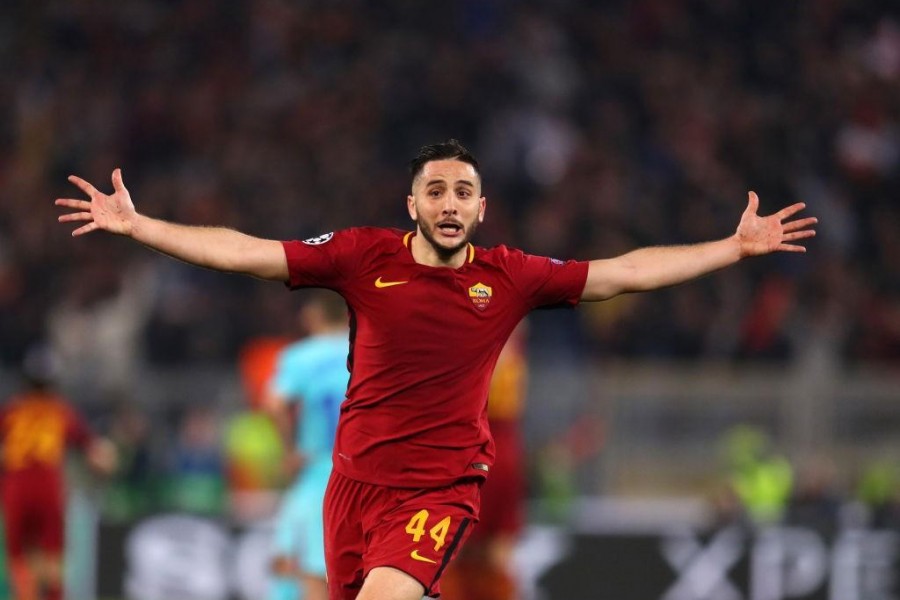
<point>480,295</point>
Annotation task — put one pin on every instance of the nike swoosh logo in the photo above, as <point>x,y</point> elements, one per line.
<point>416,556</point>
<point>383,284</point>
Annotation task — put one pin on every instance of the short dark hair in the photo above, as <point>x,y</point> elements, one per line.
<point>449,150</point>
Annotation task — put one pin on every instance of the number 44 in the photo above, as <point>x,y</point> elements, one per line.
<point>416,528</point>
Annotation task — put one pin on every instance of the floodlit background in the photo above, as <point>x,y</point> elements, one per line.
<point>600,126</point>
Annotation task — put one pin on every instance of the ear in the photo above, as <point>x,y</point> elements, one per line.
<point>411,207</point>
<point>482,204</point>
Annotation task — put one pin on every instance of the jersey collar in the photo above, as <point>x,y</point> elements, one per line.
<point>470,249</point>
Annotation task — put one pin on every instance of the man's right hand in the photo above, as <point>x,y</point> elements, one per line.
<point>114,212</point>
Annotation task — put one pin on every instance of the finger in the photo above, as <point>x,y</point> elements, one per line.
<point>752,203</point>
<point>85,229</point>
<point>790,211</point>
<point>799,224</point>
<point>117,182</point>
<point>80,216</point>
<point>798,235</point>
<point>791,248</point>
<point>83,185</point>
<point>73,203</point>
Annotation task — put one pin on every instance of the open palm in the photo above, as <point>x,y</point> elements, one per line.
<point>775,233</point>
<point>107,212</point>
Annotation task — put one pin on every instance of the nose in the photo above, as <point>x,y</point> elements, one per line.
<point>448,206</point>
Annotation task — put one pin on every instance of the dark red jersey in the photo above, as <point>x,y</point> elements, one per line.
<point>36,429</point>
<point>424,342</point>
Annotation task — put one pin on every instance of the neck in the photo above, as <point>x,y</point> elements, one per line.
<point>424,253</point>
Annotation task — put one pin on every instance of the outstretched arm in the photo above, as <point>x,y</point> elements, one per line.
<point>657,267</point>
<point>216,248</point>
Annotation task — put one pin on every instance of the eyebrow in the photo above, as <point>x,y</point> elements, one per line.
<point>441,181</point>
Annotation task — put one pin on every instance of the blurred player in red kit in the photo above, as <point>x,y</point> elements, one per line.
<point>482,570</point>
<point>429,314</point>
<point>37,427</point>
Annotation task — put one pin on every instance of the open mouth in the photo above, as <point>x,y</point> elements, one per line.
<point>450,228</point>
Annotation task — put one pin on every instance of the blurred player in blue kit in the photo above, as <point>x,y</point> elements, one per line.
<point>311,378</point>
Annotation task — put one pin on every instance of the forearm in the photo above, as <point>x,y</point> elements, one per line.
<point>277,408</point>
<point>658,267</point>
<point>217,248</point>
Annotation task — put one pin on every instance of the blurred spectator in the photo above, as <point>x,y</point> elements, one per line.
<point>253,446</point>
<point>816,499</point>
<point>879,492</point>
<point>132,490</point>
<point>253,454</point>
<point>629,109</point>
<point>760,479</point>
<point>96,325</point>
<point>195,480</point>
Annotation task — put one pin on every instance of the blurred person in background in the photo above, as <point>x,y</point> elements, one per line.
<point>483,568</point>
<point>816,496</point>
<point>878,492</point>
<point>430,316</point>
<point>37,428</point>
<point>305,396</point>
<point>132,490</point>
<point>253,446</point>
<point>760,478</point>
<point>195,481</point>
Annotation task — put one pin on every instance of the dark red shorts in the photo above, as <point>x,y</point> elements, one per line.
<point>33,512</point>
<point>416,531</point>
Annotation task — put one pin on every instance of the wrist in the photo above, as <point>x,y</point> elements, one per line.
<point>736,247</point>
<point>136,226</point>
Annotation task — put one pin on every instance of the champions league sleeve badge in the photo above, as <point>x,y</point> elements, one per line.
<point>319,239</point>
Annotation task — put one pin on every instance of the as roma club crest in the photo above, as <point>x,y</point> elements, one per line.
<point>480,295</point>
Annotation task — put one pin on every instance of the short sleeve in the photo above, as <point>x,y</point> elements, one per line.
<point>547,282</point>
<point>322,261</point>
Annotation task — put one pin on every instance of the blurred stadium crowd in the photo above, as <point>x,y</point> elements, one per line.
<point>601,126</point>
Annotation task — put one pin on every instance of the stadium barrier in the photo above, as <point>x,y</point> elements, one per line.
<point>195,558</point>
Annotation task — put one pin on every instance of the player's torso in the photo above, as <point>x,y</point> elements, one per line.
<point>424,344</point>
<point>424,341</point>
<point>33,435</point>
<point>421,322</point>
<point>319,381</point>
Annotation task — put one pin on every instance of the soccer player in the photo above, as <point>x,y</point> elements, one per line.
<point>37,427</point>
<point>430,313</point>
<point>310,376</point>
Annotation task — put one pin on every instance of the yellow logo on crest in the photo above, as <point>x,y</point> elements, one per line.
<point>480,295</point>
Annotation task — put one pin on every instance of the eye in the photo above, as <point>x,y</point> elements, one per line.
<point>435,193</point>
<point>463,193</point>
